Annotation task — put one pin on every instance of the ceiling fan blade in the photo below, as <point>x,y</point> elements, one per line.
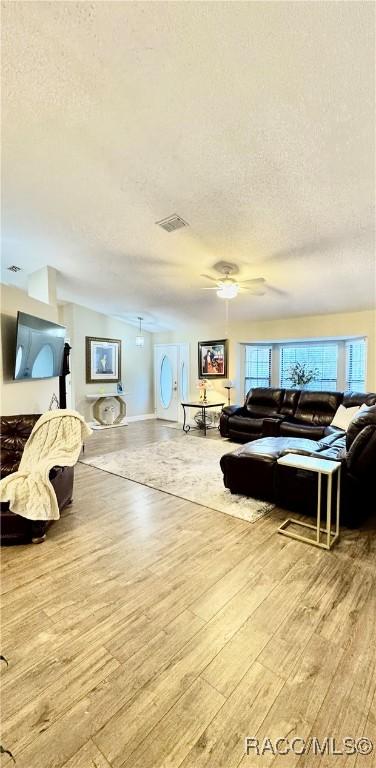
<point>277,291</point>
<point>253,293</point>
<point>254,280</point>
<point>216,288</point>
<point>208,277</point>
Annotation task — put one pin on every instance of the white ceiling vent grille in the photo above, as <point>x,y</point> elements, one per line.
<point>14,268</point>
<point>172,223</point>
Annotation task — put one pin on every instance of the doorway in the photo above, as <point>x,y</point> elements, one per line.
<point>171,380</point>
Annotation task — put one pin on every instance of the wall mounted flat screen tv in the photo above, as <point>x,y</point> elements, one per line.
<point>39,348</point>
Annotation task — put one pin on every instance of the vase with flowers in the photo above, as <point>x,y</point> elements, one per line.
<point>300,375</point>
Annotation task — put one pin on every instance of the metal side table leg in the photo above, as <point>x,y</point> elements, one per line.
<point>204,419</point>
<point>186,427</point>
<point>318,507</point>
<point>338,500</point>
<point>328,511</point>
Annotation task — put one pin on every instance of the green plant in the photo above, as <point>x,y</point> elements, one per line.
<point>300,374</point>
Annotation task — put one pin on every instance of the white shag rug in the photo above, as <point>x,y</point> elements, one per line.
<point>187,467</point>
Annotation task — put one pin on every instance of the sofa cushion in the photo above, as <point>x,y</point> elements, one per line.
<point>242,437</point>
<point>317,408</point>
<point>271,448</point>
<point>246,424</point>
<point>263,401</point>
<point>297,429</point>
<point>290,401</point>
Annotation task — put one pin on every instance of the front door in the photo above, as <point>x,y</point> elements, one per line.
<point>166,381</point>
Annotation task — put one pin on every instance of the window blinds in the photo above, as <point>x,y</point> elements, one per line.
<point>320,356</point>
<point>258,365</point>
<point>355,364</point>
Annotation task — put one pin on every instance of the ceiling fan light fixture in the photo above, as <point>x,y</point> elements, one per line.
<point>228,291</point>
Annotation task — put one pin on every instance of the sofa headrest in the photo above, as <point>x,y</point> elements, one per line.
<point>290,401</point>
<point>351,399</point>
<point>317,407</point>
<point>14,433</point>
<point>363,419</point>
<point>263,401</point>
<point>18,427</point>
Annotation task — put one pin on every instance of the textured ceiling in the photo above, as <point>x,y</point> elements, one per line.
<point>252,121</point>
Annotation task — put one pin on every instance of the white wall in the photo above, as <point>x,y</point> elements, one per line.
<point>317,326</point>
<point>35,396</point>
<point>136,362</point>
<point>21,396</point>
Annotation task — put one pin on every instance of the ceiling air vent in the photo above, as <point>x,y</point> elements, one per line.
<point>172,222</point>
<point>14,268</point>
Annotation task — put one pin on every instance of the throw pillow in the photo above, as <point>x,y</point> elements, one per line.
<point>343,416</point>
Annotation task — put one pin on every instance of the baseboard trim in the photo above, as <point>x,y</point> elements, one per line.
<point>141,417</point>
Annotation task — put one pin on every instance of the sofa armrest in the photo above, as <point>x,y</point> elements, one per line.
<point>271,426</point>
<point>227,411</point>
<point>62,482</point>
<point>232,410</point>
<point>55,471</point>
<point>360,458</point>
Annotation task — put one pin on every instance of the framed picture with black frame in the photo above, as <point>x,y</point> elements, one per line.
<point>103,360</point>
<point>212,359</point>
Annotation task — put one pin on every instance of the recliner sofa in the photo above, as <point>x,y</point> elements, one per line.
<point>253,469</point>
<point>271,412</point>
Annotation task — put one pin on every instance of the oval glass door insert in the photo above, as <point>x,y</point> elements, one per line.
<point>166,381</point>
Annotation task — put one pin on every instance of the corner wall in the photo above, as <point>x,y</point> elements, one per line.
<point>136,362</point>
<point>17,397</point>
<point>21,396</point>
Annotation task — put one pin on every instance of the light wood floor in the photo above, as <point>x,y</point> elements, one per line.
<point>149,631</point>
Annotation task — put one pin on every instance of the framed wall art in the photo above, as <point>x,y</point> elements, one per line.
<point>212,359</point>
<point>103,360</point>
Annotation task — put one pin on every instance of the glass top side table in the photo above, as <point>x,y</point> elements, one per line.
<point>203,407</point>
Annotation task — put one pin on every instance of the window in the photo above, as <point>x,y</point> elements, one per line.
<point>321,356</point>
<point>258,365</point>
<point>341,364</point>
<point>356,364</point>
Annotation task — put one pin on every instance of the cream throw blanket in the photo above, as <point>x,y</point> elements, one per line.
<point>55,441</point>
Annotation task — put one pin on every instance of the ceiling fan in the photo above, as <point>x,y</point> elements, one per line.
<point>228,288</point>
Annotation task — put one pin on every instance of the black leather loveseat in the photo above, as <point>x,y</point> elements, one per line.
<point>271,412</point>
<point>252,469</point>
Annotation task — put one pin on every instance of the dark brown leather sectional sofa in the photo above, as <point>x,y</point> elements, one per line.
<point>277,422</point>
<point>269,412</point>
<point>14,433</point>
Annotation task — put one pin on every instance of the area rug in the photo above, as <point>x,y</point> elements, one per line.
<point>187,467</point>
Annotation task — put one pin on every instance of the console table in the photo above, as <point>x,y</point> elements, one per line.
<point>99,400</point>
<point>321,467</point>
<point>203,407</point>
